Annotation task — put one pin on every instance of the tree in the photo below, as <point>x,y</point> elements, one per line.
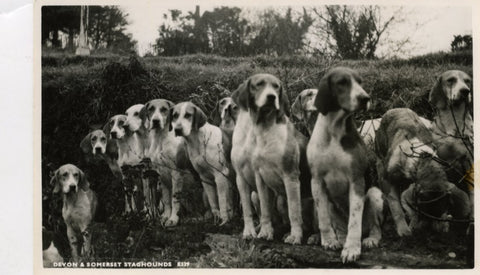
<point>57,19</point>
<point>279,34</point>
<point>353,32</point>
<point>461,43</point>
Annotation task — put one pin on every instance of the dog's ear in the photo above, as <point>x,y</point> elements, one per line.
<point>169,118</point>
<point>55,182</point>
<point>325,101</point>
<point>297,107</point>
<point>112,149</point>
<point>86,145</point>
<point>284,104</point>
<point>106,129</point>
<point>216,114</point>
<point>143,114</point>
<point>199,118</point>
<point>437,96</point>
<point>241,94</point>
<point>169,103</point>
<point>82,181</point>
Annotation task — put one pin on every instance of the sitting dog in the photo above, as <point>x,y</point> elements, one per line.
<point>164,149</point>
<point>96,146</point>
<point>226,113</point>
<point>79,205</point>
<point>337,157</point>
<point>411,177</point>
<point>276,155</point>
<point>452,126</point>
<point>304,110</point>
<point>206,146</point>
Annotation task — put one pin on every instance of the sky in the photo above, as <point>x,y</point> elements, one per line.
<point>430,28</point>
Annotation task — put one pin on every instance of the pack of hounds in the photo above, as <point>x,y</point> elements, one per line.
<point>257,164</point>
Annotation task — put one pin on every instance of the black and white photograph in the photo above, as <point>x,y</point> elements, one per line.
<point>182,134</point>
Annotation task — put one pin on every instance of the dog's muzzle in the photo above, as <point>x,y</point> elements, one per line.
<point>155,123</point>
<point>98,150</point>
<point>178,132</point>
<point>363,102</point>
<point>113,135</point>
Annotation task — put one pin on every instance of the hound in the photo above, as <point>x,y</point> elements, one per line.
<point>278,149</point>
<point>96,145</point>
<point>206,150</point>
<point>164,150</point>
<point>337,157</point>
<point>130,152</point>
<point>304,110</point>
<point>452,126</point>
<point>79,205</point>
<point>226,113</point>
<point>411,177</point>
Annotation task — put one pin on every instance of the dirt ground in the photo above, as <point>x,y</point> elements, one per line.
<point>204,245</point>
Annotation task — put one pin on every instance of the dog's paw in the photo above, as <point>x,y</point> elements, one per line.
<point>223,221</point>
<point>331,244</point>
<point>172,221</point>
<point>249,233</point>
<point>314,239</point>
<point>266,232</point>
<point>370,242</point>
<point>164,219</point>
<point>216,216</point>
<point>293,238</point>
<point>350,254</point>
<point>404,231</point>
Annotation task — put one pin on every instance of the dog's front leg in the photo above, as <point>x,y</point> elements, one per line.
<point>244,190</point>
<point>73,241</point>
<point>224,197</point>
<point>265,196</point>
<point>167,203</point>
<point>356,195</point>
<point>398,216</point>
<point>292,186</point>
<point>328,237</point>
<point>212,200</point>
<point>177,187</point>
<point>87,241</point>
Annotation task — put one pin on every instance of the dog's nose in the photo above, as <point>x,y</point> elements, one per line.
<point>464,92</point>
<point>113,134</point>
<point>363,99</point>
<point>178,131</point>
<point>98,150</point>
<point>271,98</point>
<point>73,188</point>
<point>155,123</point>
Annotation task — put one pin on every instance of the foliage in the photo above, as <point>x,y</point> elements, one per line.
<point>461,43</point>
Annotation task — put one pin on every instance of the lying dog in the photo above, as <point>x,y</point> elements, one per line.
<point>452,126</point>
<point>406,165</point>
<point>206,147</point>
<point>79,205</point>
<point>276,154</point>
<point>337,157</point>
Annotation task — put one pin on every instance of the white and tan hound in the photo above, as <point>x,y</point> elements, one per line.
<point>79,206</point>
<point>304,110</point>
<point>206,147</point>
<point>96,145</point>
<point>226,113</point>
<point>337,157</point>
<point>275,157</point>
<point>164,149</point>
<point>452,126</point>
<point>412,178</point>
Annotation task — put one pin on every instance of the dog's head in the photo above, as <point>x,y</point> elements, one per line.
<point>116,127</point>
<point>451,88</point>
<point>135,118</point>
<point>264,96</point>
<point>303,106</point>
<point>185,118</point>
<point>226,111</point>
<point>95,143</point>
<point>340,89</point>
<point>68,178</point>
<point>155,113</point>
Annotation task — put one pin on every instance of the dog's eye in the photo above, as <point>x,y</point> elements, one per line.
<point>343,81</point>
<point>65,175</point>
<point>175,115</point>
<point>187,115</point>
<point>468,81</point>
<point>120,123</point>
<point>451,80</point>
<point>94,138</point>
<point>135,114</point>
<point>275,85</point>
<point>261,83</point>
<point>75,175</point>
<point>151,109</point>
<point>103,139</point>
<point>359,81</point>
<point>234,108</point>
<point>163,109</point>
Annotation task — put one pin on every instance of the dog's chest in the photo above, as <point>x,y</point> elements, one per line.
<point>130,152</point>
<point>78,214</point>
